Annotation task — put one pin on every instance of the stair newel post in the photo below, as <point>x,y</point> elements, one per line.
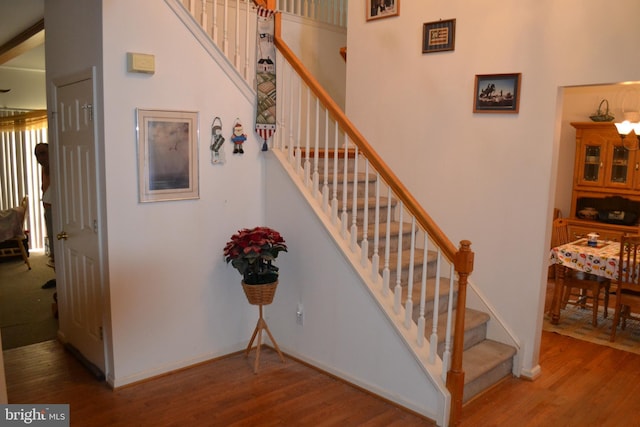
<point>455,378</point>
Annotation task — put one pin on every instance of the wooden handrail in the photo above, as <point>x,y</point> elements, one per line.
<point>462,259</point>
<point>356,137</point>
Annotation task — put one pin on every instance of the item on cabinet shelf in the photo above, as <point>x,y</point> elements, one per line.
<point>588,213</point>
<point>618,217</point>
<point>602,115</point>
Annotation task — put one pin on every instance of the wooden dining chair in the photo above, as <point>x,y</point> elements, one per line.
<point>578,284</point>
<point>628,291</point>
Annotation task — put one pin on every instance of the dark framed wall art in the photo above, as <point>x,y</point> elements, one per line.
<point>497,93</point>
<point>167,155</point>
<point>439,36</point>
<point>378,9</point>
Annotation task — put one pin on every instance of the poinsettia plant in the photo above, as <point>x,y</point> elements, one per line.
<point>252,252</point>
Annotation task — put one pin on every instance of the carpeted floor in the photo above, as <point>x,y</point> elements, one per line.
<point>25,308</point>
<point>576,322</point>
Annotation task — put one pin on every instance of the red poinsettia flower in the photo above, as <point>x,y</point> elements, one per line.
<point>251,252</point>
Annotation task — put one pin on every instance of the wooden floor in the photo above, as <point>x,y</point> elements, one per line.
<point>221,393</point>
<point>582,384</point>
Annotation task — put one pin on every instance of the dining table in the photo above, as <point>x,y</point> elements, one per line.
<point>601,259</point>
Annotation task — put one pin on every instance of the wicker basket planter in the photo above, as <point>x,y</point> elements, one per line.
<point>260,294</point>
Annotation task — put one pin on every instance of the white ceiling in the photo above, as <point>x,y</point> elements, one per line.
<point>24,74</point>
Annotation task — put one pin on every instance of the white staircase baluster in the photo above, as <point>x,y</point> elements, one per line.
<point>423,292</point>
<point>364,243</point>
<point>436,304</point>
<point>307,163</point>
<point>316,146</point>
<point>409,301</point>
<point>345,187</point>
<point>325,183</point>
<point>247,38</point>
<point>299,128</point>
<point>354,207</point>
<point>334,198</point>
<point>397,291</point>
<point>225,29</point>
<point>237,35</point>
<point>214,19</point>
<point>386,272</point>
<point>446,356</point>
<point>375,258</point>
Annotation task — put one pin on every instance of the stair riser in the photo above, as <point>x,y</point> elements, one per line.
<point>429,304</point>
<point>471,337</point>
<point>488,379</point>
<point>362,185</point>
<point>393,242</point>
<point>371,212</point>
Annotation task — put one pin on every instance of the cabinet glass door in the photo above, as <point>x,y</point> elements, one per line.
<point>619,165</point>
<point>592,160</point>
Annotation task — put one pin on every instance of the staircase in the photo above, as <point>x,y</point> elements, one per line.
<point>408,255</point>
<point>485,361</point>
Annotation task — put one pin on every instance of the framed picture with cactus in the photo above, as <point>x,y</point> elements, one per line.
<point>378,9</point>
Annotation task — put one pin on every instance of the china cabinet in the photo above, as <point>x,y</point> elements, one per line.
<point>606,184</point>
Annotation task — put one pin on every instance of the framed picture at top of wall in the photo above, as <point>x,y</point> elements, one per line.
<point>378,9</point>
<point>497,93</point>
<point>439,36</point>
<point>167,155</point>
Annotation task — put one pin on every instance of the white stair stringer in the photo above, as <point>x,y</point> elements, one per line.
<point>385,302</point>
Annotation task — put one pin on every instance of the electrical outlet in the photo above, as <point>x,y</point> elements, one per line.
<point>299,314</point>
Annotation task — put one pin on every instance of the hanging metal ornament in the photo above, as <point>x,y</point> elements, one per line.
<point>217,150</point>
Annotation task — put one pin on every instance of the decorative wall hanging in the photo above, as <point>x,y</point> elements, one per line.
<point>167,155</point>
<point>265,76</point>
<point>217,150</point>
<point>377,9</point>
<point>439,36</point>
<point>497,93</point>
<point>238,137</point>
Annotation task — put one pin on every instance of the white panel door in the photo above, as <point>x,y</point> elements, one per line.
<point>79,294</point>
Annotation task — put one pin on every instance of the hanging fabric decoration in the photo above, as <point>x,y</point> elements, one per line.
<point>217,150</point>
<point>265,76</point>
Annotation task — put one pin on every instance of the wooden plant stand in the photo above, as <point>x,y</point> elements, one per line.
<point>260,295</point>
<point>258,332</point>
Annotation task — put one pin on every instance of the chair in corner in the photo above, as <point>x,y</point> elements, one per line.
<point>628,291</point>
<point>578,283</point>
<point>12,231</point>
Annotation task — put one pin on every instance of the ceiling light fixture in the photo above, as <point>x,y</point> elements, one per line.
<point>625,129</point>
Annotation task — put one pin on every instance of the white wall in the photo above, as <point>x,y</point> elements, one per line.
<point>317,45</point>
<point>489,178</point>
<point>173,301</point>
<point>27,89</point>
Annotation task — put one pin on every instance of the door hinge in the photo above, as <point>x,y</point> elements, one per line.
<point>101,333</point>
<point>89,109</point>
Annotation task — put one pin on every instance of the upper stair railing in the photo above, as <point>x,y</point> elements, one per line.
<point>312,135</point>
